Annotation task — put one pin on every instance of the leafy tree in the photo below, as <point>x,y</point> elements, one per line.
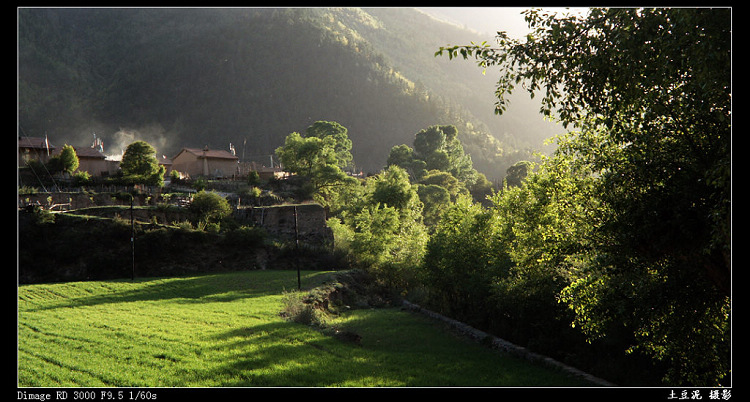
<point>313,158</point>
<point>440,148</point>
<point>446,181</point>
<point>481,189</point>
<point>463,259</point>
<point>375,231</point>
<point>516,173</point>
<point>436,200</point>
<point>392,188</point>
<point>209,207</point>
<point>435,148</point>
<point>81,178</point>
<point>403,156</point>
<point>66,162</point>
<point>547,226</point>
<point>68,159</point>
<point>650,90</point>
<point>139,164</point>
<point>253,178</point>
<point>385,231</point>
<point>342,145</point>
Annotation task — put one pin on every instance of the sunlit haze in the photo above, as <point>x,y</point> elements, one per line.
<point>489,20</point>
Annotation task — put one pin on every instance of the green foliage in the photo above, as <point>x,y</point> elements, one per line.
<point>68,159</point>
<point>392,189</point>
<point>343,235</point>
<point>245,237</point>
<point>654,217</point>
<point>436,200</point>
<point>446,180</point>
<point>403,156</point>
<point>81,178</point>
<point>482,188</point>
<point>139,165</point>
<point>342,145</point>
<point>375,232</point>
<point>518,172</point>
<point>316,158</point>
<point>209,206</point>
<point>382,229</point>
<point>462,260</point>
<point>441,169</point>
<point>200,184</point>
<point>296,310</point>
<point>65,162</point>
<point>174,176</point>
<point>253,178</point>
<point>435,148</point>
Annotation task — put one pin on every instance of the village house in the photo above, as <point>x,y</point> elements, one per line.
<point>90,159</point>
<point>189,162</point>
<point>210,163</point>
<point>34,148</point>
<point>94,162</point>
<point>167,163</point>
<point>264,172</point>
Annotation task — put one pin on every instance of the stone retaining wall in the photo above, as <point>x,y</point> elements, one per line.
<point>505,346</point>
<point>304,221</point>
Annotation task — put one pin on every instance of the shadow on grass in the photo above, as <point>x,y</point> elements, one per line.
<point>209,288</point>
<point>287,354</point>
<point>397,349</point>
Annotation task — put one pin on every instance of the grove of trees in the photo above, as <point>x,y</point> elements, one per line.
<point>614,252</point>
<point>628,225</point>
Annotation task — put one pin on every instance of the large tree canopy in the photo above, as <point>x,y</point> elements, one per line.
<point>319,156</point>
<point>342,145</point>
<point>650,92</point>
<point>139,164</point>
<point>435,148</point>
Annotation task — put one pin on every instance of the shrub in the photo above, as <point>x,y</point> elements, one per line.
<point>209,206</point>
<point>253,178</point>
<point>296,309</point>
<point>81,178</point>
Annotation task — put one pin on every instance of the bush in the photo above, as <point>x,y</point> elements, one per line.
<point>296,309</point>
<point>81,178</point>
<point>253,178</point>
<point>209,206</point>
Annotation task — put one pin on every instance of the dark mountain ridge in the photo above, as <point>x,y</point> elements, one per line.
<point>193,77</point>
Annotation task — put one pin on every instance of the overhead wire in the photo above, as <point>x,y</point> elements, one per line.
<point>31,167</point>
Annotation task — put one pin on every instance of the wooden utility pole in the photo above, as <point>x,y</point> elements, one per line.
<point>296,239</point>
<point>132,236</point>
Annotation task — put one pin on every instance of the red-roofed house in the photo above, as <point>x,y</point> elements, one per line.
<point>167,163</point>
<point>212,163</point>
<point>34,148</point>
<point>95,162</point>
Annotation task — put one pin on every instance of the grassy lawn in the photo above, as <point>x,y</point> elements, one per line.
<point>225,330</point>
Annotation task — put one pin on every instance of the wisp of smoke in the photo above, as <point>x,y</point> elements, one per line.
<point>154,135</point>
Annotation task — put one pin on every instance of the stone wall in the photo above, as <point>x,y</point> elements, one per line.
<point>279,220</point>
<point>307,222</point>
<point>505,346</point>
<point>76,200</point>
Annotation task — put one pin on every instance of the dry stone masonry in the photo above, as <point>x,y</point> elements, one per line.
<point>306,222</point>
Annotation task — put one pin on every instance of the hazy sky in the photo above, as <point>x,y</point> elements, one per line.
<point>489,20</point>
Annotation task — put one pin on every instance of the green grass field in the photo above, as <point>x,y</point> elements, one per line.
<point>225,330</point>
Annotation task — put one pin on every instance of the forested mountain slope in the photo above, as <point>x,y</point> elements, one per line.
<point>194,77</point>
